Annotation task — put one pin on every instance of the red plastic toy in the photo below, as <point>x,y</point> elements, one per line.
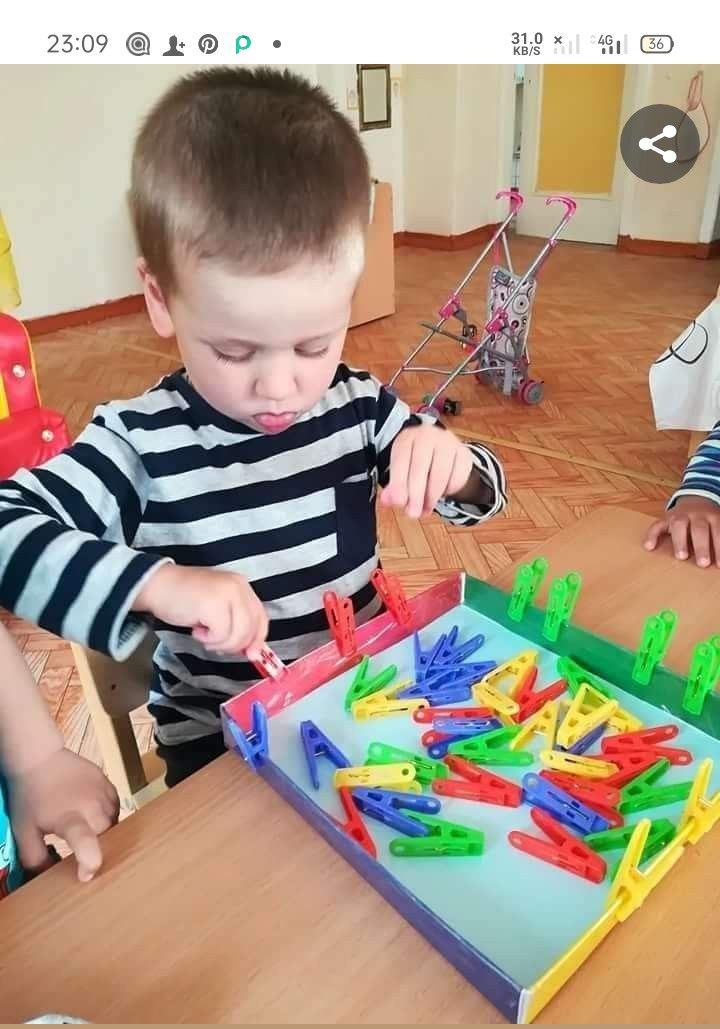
<point>392,595</point>
<point>429,714</point>
<point>530,702</point>
<point>647,740</point>
<point>561,849</point>
<point>341,619</point>
<point>355,827</point>
<point>479,784</point>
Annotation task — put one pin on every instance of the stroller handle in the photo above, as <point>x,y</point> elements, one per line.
<point>516,199</point>
<point>570,204</point>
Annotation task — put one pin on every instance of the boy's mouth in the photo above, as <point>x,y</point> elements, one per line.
<point>275,422</point>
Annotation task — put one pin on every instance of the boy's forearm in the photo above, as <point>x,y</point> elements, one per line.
<point>28,734</point>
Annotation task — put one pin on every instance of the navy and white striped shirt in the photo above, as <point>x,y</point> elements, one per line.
<point>702,475</point>
<point>165,477</point>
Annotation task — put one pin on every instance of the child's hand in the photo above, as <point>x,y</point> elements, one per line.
<point>224,613</point>
<point>693,523</point>
<point>69,797</point>
<point>426,463</point>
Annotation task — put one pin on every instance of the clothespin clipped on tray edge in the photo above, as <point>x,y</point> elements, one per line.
<point>656,636</point>
<point>253,745</point>
<point>528,580</point>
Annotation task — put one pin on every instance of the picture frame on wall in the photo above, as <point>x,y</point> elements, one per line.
<point>374,98</point>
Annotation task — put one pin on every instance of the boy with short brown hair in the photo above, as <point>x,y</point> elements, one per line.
<point>222,504</point>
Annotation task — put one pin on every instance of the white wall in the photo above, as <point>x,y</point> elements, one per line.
<point>429,150</point>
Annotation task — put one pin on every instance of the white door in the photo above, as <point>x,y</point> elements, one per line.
<point>572,117</point>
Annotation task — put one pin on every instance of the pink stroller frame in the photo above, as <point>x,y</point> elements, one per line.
<point>501,353</point>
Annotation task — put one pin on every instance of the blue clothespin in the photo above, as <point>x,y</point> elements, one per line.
<point>466,726</point>
<point>421,658</point>
<point>385,806</point>
<point>448,648</point>
<point>316,744</point>
<point>468,648</point>
<point>585,742</point>
<point>253,746</point>
<point>551,798</point>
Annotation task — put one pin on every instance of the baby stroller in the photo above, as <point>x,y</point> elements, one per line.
<point>500,350</point>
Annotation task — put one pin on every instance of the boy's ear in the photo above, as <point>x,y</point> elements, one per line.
<point>155,301</point>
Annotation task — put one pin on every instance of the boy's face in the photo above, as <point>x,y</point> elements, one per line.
<point>262,349</point>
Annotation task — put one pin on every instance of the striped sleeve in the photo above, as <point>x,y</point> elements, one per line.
<point>702,475</point>
<point>394,415</point>
<point>66,528</point>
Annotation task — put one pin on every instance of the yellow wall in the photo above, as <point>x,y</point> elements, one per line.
<point>579,127</point>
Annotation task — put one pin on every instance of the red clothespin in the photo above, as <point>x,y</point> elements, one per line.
<point>647,740</point>
<point>532,702</point>
<point>432,736</point>
<point>341,619</point>
<point>562,849</point>
<point>392,595</point>
<point>429,714</point>
<point>355,827</point>
<point>526,685</point>
<point>478,784</point>
<point>629,766</point>
<point>587,791</point>
<point>269,665</point>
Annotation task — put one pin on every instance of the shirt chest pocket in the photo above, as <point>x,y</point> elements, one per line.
<point>356,526</point>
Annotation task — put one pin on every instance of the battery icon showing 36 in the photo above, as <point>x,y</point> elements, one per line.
<point>656,44</point>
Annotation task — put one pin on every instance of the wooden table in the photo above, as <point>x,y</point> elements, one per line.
<point>218,904</point>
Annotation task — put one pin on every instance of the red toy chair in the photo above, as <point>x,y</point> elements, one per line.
<point>30,434</point>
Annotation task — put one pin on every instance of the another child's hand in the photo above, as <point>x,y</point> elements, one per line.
<point>692,523</point>
<point>220,607</point>
<point>66,796</point>
<point>426,464</point>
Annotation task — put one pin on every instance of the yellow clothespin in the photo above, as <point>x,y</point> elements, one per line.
<point>623,721</point>
<point>375,775</point>
<point>542,723</point>
<point>487,695</point>
<point>380,705</point>
<point>701,812</point>
<point>577,764</point>
<point>514,670</point>
<point>578,723</point>
<point>630,886</point>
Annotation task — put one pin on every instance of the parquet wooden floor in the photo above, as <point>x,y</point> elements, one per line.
<point>599,320</point>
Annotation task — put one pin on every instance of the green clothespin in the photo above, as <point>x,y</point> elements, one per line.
<point>662,832</point>
<point>426,769</point>
<point>561,604</point>
<point>576,676</point>
<point>489,748</point>
<point>641,793</point>
<point>618,839</point>
<point>363,687</point>
<point>527,582</point>
<point>446,839</point>
<point>704,668</point>
<point>654,643</point>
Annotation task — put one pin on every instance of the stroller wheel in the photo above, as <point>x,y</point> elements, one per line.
<point>469,331</point>
<point>531,391</point>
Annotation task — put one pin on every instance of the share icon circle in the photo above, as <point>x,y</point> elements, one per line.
<point>648,143</point>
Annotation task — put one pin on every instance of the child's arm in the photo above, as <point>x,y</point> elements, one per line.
<point>692,518</point>
<point>424,467</point>
<point>51,789</point>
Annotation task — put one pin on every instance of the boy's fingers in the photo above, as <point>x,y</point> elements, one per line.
<point>715,533</point>
<point>655,533</point>
<point>700,536</point>
<point>83,842</point>
<point>396,491</point>
<point>437,483</point>
<point>418,475</point>
<point>31,847</point>
<point>679,536</point>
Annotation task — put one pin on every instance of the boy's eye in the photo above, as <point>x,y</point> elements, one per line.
<point>316,352</point>
<point>232,358</point>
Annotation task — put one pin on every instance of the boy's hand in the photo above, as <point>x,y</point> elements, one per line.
<point>69,797</point>
<point>223,611</point>
<point>426,463</point>
<point>693,523</point>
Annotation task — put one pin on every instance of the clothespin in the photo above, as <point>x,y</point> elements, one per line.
<point>316,744</point>
<point>386,806</point>
<point>467,648</point>
<point>576,676</point>
<point>655,640</point>
<point>511,674</point>
<point>648,740</point>
<point>446,694</point>
<point>432,714</point>
<point>479,784</point>
<point>630,887</point>
<point>561,805</point>
<point>446,651</point>
<point>531,702</point>
<point>354,827</point>
<point>701,812</point>
<point>624,721</point>
<point>617,839</point>
<point>704,668</point>
<point>561,849</point>
<point>269,664</point>
<point>662,833</point>
<point>438,748</point>
<point>446,839</point>
<point>576,724</point>
<point>594,792</point>
<point>393,597</point>
<point>577,764</point>
<point>362,686</point>
<point>528,580</point>
<point>466,726</point>
<point>584,744</point>
<point>629,766</point>
<point>641,794</point>
<point>562,599</point>
<point>426,769</point>
<point>379,705</point>
<point>389,775</point>
<point>253,745</point>
<point>490,696</point>
<point>542,723</point>
<point>492,748</point>
<point>341,619</point>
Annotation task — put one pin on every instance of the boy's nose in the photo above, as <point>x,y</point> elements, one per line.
<point>275,383</point>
